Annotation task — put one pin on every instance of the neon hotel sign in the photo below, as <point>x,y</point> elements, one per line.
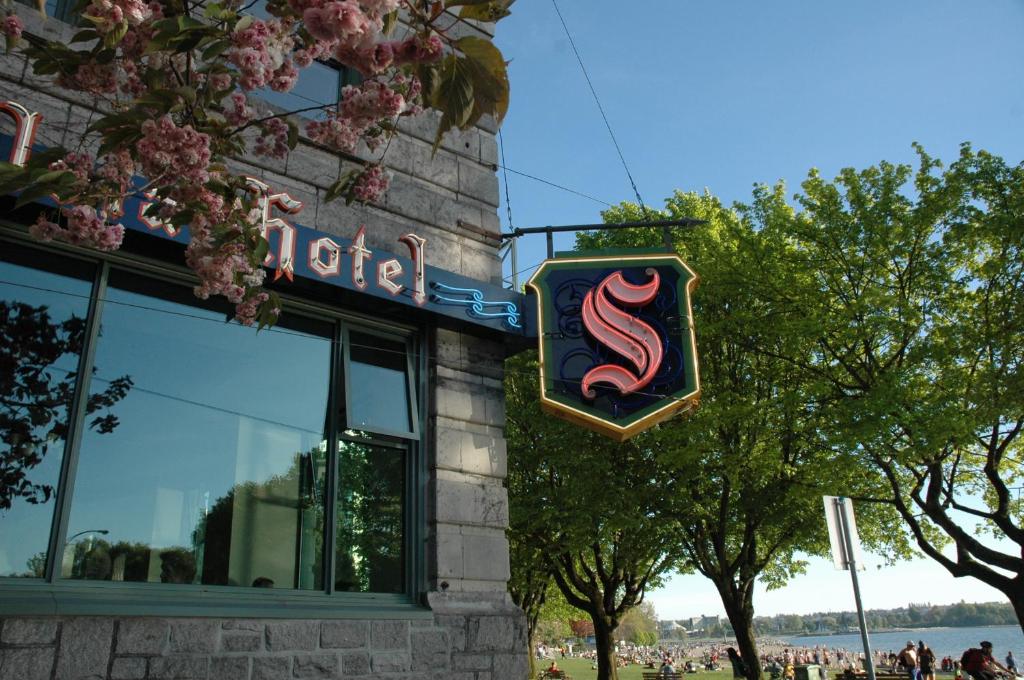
<point>616,337</point>
<point>299,250</point>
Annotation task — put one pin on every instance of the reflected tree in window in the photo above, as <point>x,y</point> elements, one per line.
<point>36,396</point>
<point>290,503</point>
<point>370,518</point>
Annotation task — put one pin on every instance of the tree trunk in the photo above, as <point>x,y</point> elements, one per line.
<point>607,668</point>
<point>739,607</point>
<point>531,655</point>
<point>1016,597</point>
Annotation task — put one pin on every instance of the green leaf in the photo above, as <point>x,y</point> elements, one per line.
<point>244,23</point>
<point>490,77</point>
<point>33,192</point>
<point>87,35</point>
<point>215,49</point>
<point>341,186</point>
<point>453,96</point>
<point>115,36</point>
<point>188,23</point>
<point>293,134</point>
<point>390,21</point>
<point>261,249</point>
<point>486,11</point>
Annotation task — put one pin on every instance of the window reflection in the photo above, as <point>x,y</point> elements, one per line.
<point>369,547</point>
<point>216,472</point>
<point>42,331</point>
<point>378,383</point>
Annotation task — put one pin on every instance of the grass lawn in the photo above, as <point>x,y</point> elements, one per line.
<point>579,669</point>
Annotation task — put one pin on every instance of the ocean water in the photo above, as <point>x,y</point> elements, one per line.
<point>943,641</point>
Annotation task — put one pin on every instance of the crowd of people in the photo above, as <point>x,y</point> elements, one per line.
<point>779,660</point>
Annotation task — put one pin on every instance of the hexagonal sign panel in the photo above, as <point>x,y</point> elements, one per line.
<point>618,351</point>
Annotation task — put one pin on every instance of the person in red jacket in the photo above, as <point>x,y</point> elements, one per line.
<point>979,663</point>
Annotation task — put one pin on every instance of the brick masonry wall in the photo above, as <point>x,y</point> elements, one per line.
<point>451,199</point>
<point>468,639</point>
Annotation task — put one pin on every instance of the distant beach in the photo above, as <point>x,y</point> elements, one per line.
<point>943,641</point>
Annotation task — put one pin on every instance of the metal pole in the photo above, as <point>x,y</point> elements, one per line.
<point>515,266</point>
<point>687,222</point>
<point>852,563</point>
<point>551,244</point>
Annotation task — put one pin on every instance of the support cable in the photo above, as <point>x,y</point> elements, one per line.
<point>600,108</point>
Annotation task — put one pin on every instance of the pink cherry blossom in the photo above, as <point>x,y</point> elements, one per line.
<point>85,227</point>
<point>371,184</point>
<point>274,140</point>
<point>168,150</point>
<point>13,27</point>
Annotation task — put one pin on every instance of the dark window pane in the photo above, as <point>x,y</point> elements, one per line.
<point>370,548</point>
<point>215,473</point>
<point>317,85</point>
<point>43,307</point>
<point>379,385</point>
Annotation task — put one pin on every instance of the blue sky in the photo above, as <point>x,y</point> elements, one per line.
<point>722,94</point>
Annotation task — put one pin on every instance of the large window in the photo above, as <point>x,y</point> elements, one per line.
<point>198,451</point>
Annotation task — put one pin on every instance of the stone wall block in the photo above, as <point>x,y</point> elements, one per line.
<point>472,502</point>
<point>485,555</point>
<point>448,349</point>
<point>142,636</point>
<point>389,662</point>
<point>454,400</point>
<point>444,252</point>
<point>489,153</point>
<point>344,634</point>
<point>448,675</point>
<point>244,624</point>
<point>412,198</point>
<point>389,635</point>
<point>30,663</point>
<point>429,650</point>
<point>447,557</point>
<point>12,66</point>
<point>449,448</point>
<point>478,181</point>
<point>355,663</point>
<point>313,165</point>
<point>229,668</point>
<point>491,633</point>
<point>271,668</point>
<point>241,642</point>
<point>471,662</point>
<point>128,668</point>
<point>179,668</point>
<point>414,157</point>
<point>481,265</point>
<point>511,666</point>
<point>29,632</point>
<point>194,636</point>
<point>316,666</point>
<point>85,645</point>
<point>456,627</point>
<point>284,636</point>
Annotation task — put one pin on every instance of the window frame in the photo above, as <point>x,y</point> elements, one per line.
<point>410,379</point>
<point>55,595</point>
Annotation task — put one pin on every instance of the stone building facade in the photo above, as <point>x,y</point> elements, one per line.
<point>454,620</point>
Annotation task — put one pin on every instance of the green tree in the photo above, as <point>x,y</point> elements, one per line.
<point>750,462</point>
<point>530,581</point>
<point>913,290</point>
<point>640,625</point>
<point>599,512</point>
